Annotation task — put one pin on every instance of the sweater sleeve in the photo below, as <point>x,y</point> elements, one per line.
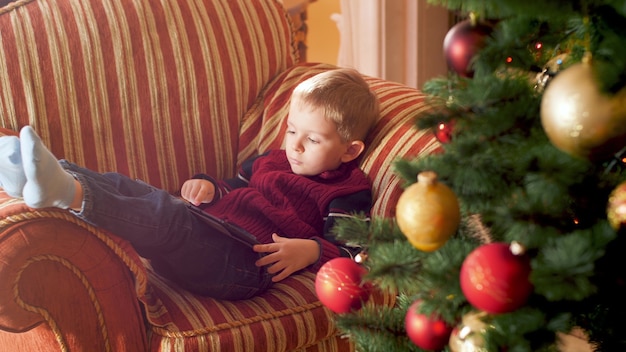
<point>223,187</point>
<point>342,207</point>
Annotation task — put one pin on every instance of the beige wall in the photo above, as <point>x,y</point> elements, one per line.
<point>323,35</point>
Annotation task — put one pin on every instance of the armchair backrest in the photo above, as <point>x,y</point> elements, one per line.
<point>155,89</point>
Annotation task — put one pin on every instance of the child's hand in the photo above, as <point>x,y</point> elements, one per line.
<point>197,191</point>
<point>287,255</point>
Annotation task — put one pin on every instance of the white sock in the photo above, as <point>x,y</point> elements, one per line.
<point>12,178</point>
<point>47,183</point>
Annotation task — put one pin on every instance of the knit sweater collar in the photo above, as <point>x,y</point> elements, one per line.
<point>338,172</point>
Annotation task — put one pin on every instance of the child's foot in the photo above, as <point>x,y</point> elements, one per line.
<point>12,178</point>
<point>47,184</point>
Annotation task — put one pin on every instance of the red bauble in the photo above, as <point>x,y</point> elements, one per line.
<point>444,131</point>
<point>495,279</point>
<point>339,285</point>
<point>462,43</point>
<point>426,332</point>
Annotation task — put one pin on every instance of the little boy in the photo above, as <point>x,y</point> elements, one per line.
<point>287,199</point>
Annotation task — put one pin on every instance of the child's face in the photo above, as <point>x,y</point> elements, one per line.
<point>312,142</point>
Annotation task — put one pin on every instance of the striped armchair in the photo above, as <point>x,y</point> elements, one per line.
<point>159,90</point>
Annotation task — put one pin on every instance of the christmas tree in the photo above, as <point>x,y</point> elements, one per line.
<point>530,241</point>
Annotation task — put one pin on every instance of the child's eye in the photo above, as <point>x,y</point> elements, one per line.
<point>290,132</point>
<point>314,141</point>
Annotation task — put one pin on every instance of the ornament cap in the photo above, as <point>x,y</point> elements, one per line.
<point>427,177</point>
<point>473,18</point>
<point>517,248</point>
<point>361,257</point>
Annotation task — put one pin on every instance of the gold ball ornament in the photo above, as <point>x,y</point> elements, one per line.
<point>581,120</point>
<point>616,209</point>
<point>428,212</point>
<point>468,335</point>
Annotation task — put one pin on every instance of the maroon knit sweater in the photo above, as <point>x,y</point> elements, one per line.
<point>268,198</point>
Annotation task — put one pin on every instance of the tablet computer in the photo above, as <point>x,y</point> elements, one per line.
<point>224,227</point>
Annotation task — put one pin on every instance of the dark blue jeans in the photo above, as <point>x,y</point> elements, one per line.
<point>162,229</point>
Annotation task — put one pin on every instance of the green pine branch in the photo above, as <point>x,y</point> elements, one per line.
<point>512,185</point>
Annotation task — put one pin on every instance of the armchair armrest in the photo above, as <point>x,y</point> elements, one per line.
<point>68,285</point>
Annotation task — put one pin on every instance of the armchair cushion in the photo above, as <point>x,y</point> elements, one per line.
<point>285,318</point>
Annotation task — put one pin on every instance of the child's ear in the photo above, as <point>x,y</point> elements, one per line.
<point>354,150</point>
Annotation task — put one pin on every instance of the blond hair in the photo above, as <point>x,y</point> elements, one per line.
<point>345,98</point>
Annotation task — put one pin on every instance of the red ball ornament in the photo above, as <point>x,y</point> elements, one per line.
<point>339,285</point>
<point>426,332</point>
<point>495,279</point>
<point>462,42</point>
<point>443,131</point>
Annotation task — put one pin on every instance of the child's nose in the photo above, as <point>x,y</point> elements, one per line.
<point>297,146</point>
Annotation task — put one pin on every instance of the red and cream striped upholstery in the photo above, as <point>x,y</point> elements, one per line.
<point>159,90</point>
<point>153,89</point>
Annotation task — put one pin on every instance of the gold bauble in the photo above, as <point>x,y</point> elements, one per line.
<point>616,209</point>
<point>468,335</point>
<point>581,120</point>
<point>428,212</point>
